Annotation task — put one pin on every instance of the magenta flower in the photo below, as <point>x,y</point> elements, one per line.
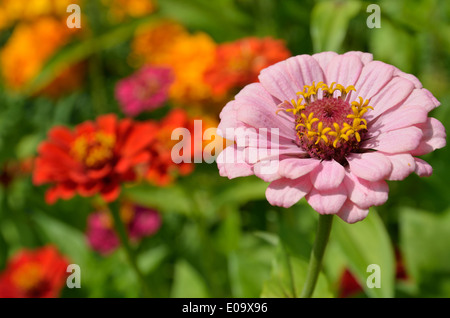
<point>145,90</point>
<point>145,222</point>
<point>140,222</point>
<point>345,124</point>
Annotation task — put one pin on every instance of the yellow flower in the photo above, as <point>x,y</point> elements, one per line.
<point>152,42</point>
<point>12,11</point>
<point>29,47</point>
<point>189,56</point>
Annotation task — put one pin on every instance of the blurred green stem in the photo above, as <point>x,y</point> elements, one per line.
<point>131,255</point>
<point>315,262</point>
<point>98,91</point>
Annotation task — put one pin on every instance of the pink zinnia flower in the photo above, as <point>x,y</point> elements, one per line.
<point>146,89</point>
<point>140,222</point>
<point>346,124</point>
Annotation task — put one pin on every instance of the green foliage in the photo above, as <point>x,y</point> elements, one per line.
<point>329,22</point>
<point>288,277</point>
<point>424,241</point>
<point>365,243</point>
<point>220,237</point>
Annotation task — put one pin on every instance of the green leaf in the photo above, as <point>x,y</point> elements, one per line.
<point>149,261</point>
<point>329,23</point>
<point>241,191</point>
<point>364,243</point>
<point>288,277</point>
<point>187,282</point>
<point>210,16</point>
<point>393,45</point>
<point>69,240</point>
<point>3,251</point>
<point>424,241</point>
<point>334,263</point>
<point>229,233</point>
<point>249,266</point>
<point>161,198</point>
<point>27,146</point>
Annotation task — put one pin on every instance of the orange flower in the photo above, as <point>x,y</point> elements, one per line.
<point>34,274</point>
<point>12,11</point>
<point>29,47</point>
<point>153,42</point>
<point>97,157</point>
<point>189,55</point>
<point>239,63</point>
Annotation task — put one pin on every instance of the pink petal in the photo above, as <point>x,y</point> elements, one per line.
<point>366,193</point>
<point>267,170</point>
<point>324,59</point>
<point>351,213</point>
<point>363,56</point>
<point>273,154</point>
<point>287,192</point>
<point>327,202</point>
<point>228,119</point>
<point>434,136</point>
<point>264,146</point>
<point>294,168</point>
<point>277,81</point>
<point>409,77</point>
<point>423,169</point>
<point>304,70</point>
<point>371,166</point>
<point>395,141</point>
<point>256,109</point>
<point>344,70</point>
<point>422,97</point>
<point>328,175</point>
<point>374,76</point>
<point>401,117</point>
<point>393,94</point>
<point>231,163</point>
<point>402,166</point>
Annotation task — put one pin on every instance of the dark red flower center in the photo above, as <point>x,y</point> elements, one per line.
<point>328,127</point>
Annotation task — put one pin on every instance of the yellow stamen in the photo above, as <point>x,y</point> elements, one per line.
<point>93,149</point>
<point>28,276</point>
<point>338,133</point>
<point>306,124</point>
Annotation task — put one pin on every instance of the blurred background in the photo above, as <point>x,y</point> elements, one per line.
<point>196,234</point>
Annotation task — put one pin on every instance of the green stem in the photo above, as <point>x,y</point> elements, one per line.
<point>121,230</point>
<point>315,262</point>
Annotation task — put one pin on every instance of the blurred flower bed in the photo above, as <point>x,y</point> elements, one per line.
<point>86,119</point>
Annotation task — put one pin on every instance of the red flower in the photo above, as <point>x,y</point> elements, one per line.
<point>348,285</point>
<point>94,158</point>
<point>34,274</point>
<point>239,63</point>
<point>161,169</point>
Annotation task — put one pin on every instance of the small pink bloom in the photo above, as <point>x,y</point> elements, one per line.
<point>146,222</point>
<point>140,222</point>
<point>345,124</point>
<point>100,233</point>
<point>145,90</point>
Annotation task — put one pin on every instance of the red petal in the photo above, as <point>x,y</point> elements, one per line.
<point>108,123</point>
<point>111,192</point>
